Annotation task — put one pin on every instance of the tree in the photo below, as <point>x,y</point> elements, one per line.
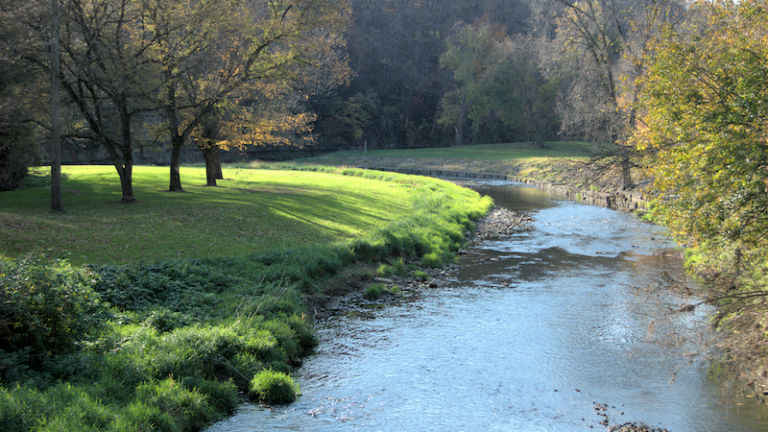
<point>18,149</point>
<point>106,75</point>
<point>470,56</point>
<point>394,49</point>
<point>706,110</point>
<point>57,203</point>
<point>213,50</point>
<point>498,87</point>
<point>600,48</point>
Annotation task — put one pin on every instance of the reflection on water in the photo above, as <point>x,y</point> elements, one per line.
<point>531,332</point>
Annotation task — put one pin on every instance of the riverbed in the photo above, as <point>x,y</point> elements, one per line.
<point>565,327</point>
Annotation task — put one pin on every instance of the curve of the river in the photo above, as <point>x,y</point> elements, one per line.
<point>534,333</point>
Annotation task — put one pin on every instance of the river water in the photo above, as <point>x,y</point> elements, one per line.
<point>529,335</point>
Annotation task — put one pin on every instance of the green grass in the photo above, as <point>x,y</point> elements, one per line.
<point>189,296</point>
<point>490,152</point>
<point>252,211</point>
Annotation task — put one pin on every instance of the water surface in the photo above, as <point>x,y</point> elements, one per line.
<point>530,333</point>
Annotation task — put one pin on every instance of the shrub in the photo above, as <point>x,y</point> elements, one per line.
<point>374,291</point>
<point>273,387</point>
<point>46,309</point>
<point>420,275</point>
<point>431,259</point>
<point>222,395</point>
<point>304,333</point>
<point>398,267</point>
<point>383,270</point>
<point>164,320</point>
<point>17,153</point>
<point>188,408</point>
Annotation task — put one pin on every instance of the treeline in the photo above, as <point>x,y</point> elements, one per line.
<point>227,74</point>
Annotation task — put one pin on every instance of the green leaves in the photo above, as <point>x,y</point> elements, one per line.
<point>706,97</point>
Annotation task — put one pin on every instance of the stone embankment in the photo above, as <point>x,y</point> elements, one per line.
<point>626,201</point>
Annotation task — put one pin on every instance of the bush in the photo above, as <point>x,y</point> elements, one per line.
<point>432,260</point>
<point>46,309</point>
<point>222,395</point>
<point>374,291</point>
<point>188,408</point>
<point>421,275</point>
<point>17,154</point>
<point>273,387</point>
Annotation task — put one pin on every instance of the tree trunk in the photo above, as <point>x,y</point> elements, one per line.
<point>175,185</point>
<point>459,128</point>
<point>126,181</point>
<point>177,140</point>
<point>217,164</point>
<point>626,173</point>
<point>57,202</point>
<point>211,155</point>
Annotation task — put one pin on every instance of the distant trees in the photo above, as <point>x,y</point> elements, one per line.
<point>595,50</point>
<point>499,87</point>
<point>394,99</point>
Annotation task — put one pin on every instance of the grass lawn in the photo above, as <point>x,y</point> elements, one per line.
<point>251,211</point>
<point>190,299</point>
<point>487,152</point>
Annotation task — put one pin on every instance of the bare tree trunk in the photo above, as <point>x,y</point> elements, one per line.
<point>217,165</point>
<point>212,167</point>
<point>177,140</point>
<point>57,202</point>
<point>626,173</point>
<point>175,185</point>
<point>459,128</point>
<point>126,181</point>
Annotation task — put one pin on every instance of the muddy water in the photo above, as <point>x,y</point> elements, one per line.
<point>528,335</point>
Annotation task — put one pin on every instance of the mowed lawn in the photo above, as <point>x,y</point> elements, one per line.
<point>488,152</point>
<point>252,210</point>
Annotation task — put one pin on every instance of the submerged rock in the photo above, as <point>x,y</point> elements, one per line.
<point>636,427</point>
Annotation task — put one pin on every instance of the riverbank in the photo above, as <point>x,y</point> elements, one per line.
<point>732,273</point>
<point>141,337</point>
<point>564,168</point>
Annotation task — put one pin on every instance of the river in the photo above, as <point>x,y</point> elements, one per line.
<point>542,331</point>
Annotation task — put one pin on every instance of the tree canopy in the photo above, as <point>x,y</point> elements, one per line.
<point>706,101</point>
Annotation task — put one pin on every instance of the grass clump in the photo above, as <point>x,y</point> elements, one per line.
<point>374,291</point>
<point>420,275</point>
<point>397,268</point>
<point>273,387</point>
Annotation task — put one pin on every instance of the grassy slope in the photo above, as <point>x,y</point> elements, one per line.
<point>180,336</point>
<point>251,211</point>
